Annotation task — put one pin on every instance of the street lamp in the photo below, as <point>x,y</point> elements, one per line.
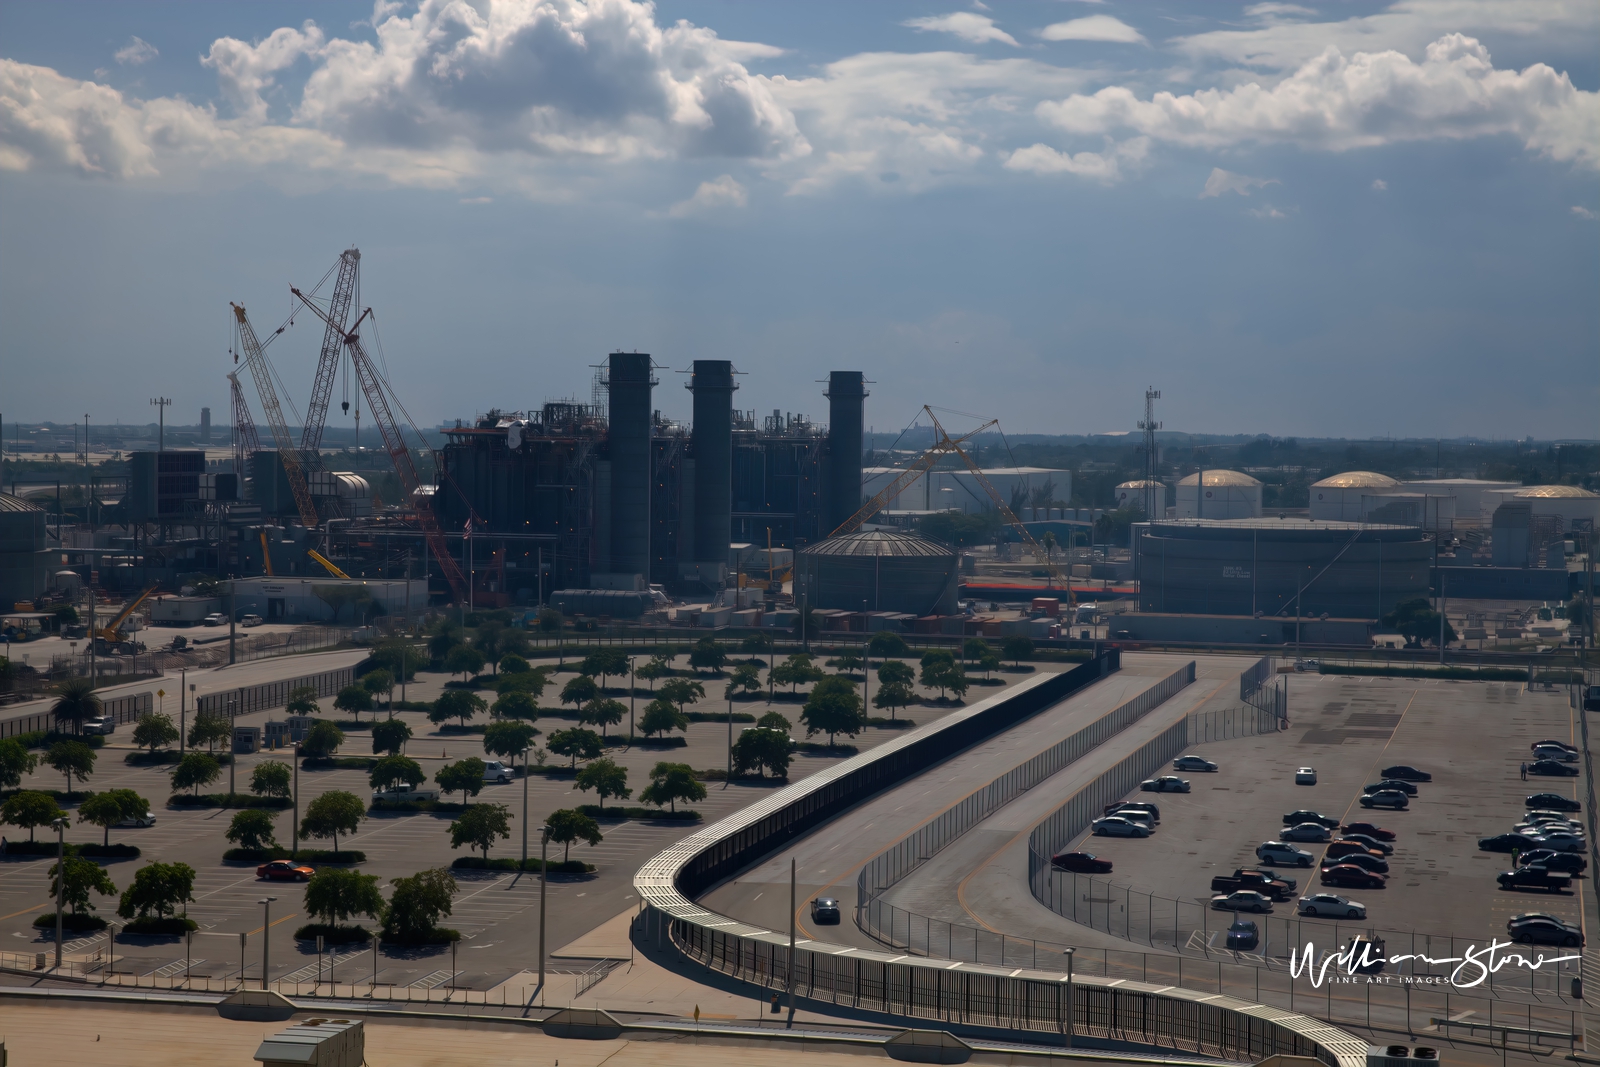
<point>1070,1024</point>
<point>61,879</point>
<point>266,934</point>
<point>544,875</point>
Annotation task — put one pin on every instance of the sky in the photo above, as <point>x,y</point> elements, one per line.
<point>1326,219</point>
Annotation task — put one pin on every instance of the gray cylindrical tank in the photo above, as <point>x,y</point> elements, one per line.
<point>847,394</point>
<point>879,571</point>
<point>712,441</point>
<point>629,383</point>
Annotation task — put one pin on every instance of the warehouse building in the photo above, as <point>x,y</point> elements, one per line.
<point>341,601</point>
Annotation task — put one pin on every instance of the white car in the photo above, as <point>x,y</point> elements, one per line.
<point>1167,783</point>
<point>216,618</point>
<point>1193,763</point>
<point>405,793</point>
<point>1117,826</point>
<point>1305,776</point>
<point>136,820</point>
<point>495,771</point>
<point>1562,841</point>
<point>1281,853</point>
<point>1556,752</point>
<point>1332,906</point>
<point>1143,818</point>
<point>251,620</point>
<point>1242,900</point>
<point>100,724</point>
<point>1313,832</point>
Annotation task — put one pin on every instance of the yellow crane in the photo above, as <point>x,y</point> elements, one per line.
<point>320,558</point>
<point>112,631</point>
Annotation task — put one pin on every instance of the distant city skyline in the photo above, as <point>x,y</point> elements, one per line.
<point>1352,221</point>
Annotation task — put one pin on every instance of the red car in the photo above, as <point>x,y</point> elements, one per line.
<point>1342,848</point>
<point>284,871</point>
<point>1369,830</point>
<point>1349,876</point>
<point>1082,862</point>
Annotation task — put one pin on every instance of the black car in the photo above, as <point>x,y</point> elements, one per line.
<point>1370,841</point>
<point>1365,860</point>
<point>1534,876</point>
<point>1551,802</point>
<point>1369,830</point>
<point>825,910</point>
<point>1349,876</point>
<point>1539,929</point>
<point>1553,743</point>
<point>1511,842</point>
<point>1406,774</point>
<point>1243,935</point>
<point>1391,783</point>
<point>1080,862</point>
<point>1565,862</point>
<point>1550,768</point>
<point>1295,818</point>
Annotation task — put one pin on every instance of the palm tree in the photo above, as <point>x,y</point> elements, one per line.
<point>77,702</point>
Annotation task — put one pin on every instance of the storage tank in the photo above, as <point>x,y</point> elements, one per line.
<point>1219,494</point>
<point>629,382</point>
<point>1573,505</point>
<point>878,570</point>
<point>847,395</point>
<point>712,444</point>
<point>1146,494</point>
<point>1340,497</point>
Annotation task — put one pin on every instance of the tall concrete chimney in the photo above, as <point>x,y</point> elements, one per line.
<point>630,382</point>
<point>847,394</point>
<point>712,444</point>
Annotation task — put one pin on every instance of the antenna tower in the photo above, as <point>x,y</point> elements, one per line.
<point>1150,426</point>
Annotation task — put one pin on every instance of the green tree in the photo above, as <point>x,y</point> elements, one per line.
<point>322,740</point>
<point>73,759</point>
<point>707,655</point>
<point>894,671</point>
<point>606,778</point>
<point>336,896</point>
<point>531,681</point>
<point>566,825</point>
<point>456,704</point>
<point>154,731</point>
<point>353,699</point>
<point>66,615</point>
<point>29,809</point>
<point>775,720</point>
<point>271,778</point>
<point>508,739</point>
<point>975,648</point>
<point>417,903</point>
<point>338,597</point>
<point>603,712</point>
<point>75,701</point>
<point>682,692</point>
<point>333,813</point>
<point>379,682</point>
<point>511,663</point>
<point>550,620</point>
<point>444,635</point>
<point>746,681</point>
<point>945,674</point>
<point>390,736</point>
<point>653,671</point>
<point>886,643</point>
<point>207,730</point>
<point>463,776</point>
<point>834,707</point>
<point>464,660</point>
<point>392,769</point>
<point>756,644</point>
<point>489,643</point>
<point>83,877</point>
<point>1017,648</point>
<point>1418,622</point>
<point>254,829</point>
<point>579,691</point>
<point>660,716</point>
<point>988,663</point>
<point>895,694</point>
<point>603,662</point>
<point>848,661</point>
<point>796,671</point>
<point>303,701</point>
<point>159,889</point>
<point>15,761</point>
<point>577,743</point>
<point>515,705</point>
<point>763,749</point>
<point>399,658</point>
<point>479,825</point>
<point>107,809</point>
<point>670,783</point>
<point>195,770</point>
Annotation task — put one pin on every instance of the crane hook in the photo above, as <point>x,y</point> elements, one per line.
<point>346,405</point>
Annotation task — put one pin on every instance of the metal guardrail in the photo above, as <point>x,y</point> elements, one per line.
<point>952,993</point>
<point>250,698</point>
<point>122,709</point>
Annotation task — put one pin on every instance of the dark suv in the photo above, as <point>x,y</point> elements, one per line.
<point>825,910</point>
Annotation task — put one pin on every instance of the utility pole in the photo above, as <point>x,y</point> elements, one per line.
<point>161,403</point>
<point>544,876</point>
<point>61,881</point>
<point>789,968</point>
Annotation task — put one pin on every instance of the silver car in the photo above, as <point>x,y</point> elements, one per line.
<point>1116,826</point>
<point>1282,854</point>
<point>1167,783</point>
<point>1313,832</point>
<point>1242,900</point>
<point>1332,906</point>
<point>1193,763</point>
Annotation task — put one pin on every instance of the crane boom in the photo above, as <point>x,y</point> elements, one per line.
<point>256,360</point>
<point>112,631</point>
<point>326,563</point>
<point>245,440</point>
<point>332,347</point>
<point>923,463</point>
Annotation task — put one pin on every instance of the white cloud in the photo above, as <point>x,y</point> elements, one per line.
<point>246,71</point>
<point>716,195</point>
<point>1270,10</point>
<point>1093,28</point>
<point>965,25</point>
<point>1585,213</point>
<point>1266,211</point>
<point>1105,167</point>
<point>1379,185</point>
<point>1225,181</point>
<point>1336,103</point>
<point>477,200</point>
<point>136,52</point>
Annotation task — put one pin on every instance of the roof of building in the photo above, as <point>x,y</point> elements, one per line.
<point>16,503</point>
<point>1143,483</point>
<point>1290,528</point>
<point>1549,492</point>
<point>877,543</point>
<point>1221,478</point>
<point>1356,480</point>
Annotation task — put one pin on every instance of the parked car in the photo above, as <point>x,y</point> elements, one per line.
<point>1556,752</point>
<point>402,793</point>
<point>1392,799</point>
<point>1116,826</point>
<point>1565,862</point>
<point>1536,928</point>
<point>1345,847</point>
<point>1167,783</point>
<point>1509,842</point>
<point>1534,876</point>
<point>495,771</point>
<point>1551,802</point>
<point>1406,773</point>
<point>284,871</point>
<point>1391,783</point>
<point>101,725</point>
<point>1307,831</point>
<point>1538,815</point>
<point>1551,742</point>
<point>1275,852</point>
<point>825,910</point>
<point>216,618</point>
<point>1332,906</point>
<point>1550,768</point>
<point>1369,830</point>
<point>1193,763</point>
<point>1563,841</point>
<point>1369,952</point>
<point>1268,882</point>
<point>1349,876</point>
<point>1305,776</point>
<point>1243,936</point>
<point>1080,862</point>
<point>136,821</point>
<point>251,620</point>
<point>1365,860</point>
<point>1242,900</point>
<point>1137,805</point>
<point>1373,844</point>
<point>1541,827</point>
<point>1295,817</point>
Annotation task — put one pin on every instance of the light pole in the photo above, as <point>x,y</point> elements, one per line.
<point>544,875</point>
<point>266,934</point>
<point>525,808</point>
<point>161,403</point>
<point>1071,1026</point>
<point>61,879</point>
<point>232,755</point>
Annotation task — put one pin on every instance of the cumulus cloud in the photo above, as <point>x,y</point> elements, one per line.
<point>1379,185</point>
<point>136,52</point>
<point>1105,166</point>
<point>716,195</point>
<point>245,71</point>
<point>1338,103</point>
<point>965,25</point>
<point>1266,211</point>
<point>1093,28</point>
<point>1585,213</point>
<point>1225,181</point>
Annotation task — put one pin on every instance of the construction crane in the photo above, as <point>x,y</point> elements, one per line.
<point>320,558</point>
<point>344,287</point>
<point>923,464</point>
<point>261,371</point>
<point>373,386</point>
<point>245,441</point>
<point>111,633</point>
